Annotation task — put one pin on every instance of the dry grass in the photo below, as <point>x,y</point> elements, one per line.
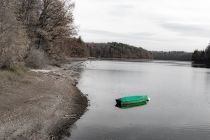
<point>11,75</point>
<point>14,69</point>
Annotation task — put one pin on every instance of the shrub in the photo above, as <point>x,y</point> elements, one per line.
<point>36,59</point>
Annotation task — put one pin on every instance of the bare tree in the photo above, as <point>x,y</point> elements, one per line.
<point>13,41</point>
<point>28,13</point>
<point>47,22</point>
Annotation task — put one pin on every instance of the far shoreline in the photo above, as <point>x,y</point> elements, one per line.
<point>132,60</point>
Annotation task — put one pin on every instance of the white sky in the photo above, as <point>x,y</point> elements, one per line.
<point>152,24</point>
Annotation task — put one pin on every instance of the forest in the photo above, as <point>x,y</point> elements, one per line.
<point>201,58</point>
<point>117,50</point>
<point>172,55</point>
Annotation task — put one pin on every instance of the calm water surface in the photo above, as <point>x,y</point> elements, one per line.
<point>179,108</point>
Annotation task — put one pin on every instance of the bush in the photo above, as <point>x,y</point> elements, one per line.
<point>36,59</point>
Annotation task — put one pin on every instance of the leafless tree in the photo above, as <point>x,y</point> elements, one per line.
<point>47,22</point>
<point>13,40</point>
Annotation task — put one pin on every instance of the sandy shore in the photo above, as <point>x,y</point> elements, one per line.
<point>40,104</point>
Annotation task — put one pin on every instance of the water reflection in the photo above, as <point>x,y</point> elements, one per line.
<point>207,77</point>
<point>179,106</point>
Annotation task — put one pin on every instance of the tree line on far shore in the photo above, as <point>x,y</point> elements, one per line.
<point>172,55</point>
<point>117,50</point>
<point>120,50</point>
<point>202,57</point>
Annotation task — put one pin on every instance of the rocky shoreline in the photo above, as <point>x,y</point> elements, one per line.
<point>41,104</point>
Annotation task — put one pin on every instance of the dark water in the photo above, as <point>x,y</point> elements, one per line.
<point>179,108</point>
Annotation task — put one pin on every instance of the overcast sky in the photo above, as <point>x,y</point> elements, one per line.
<point>152,24</point>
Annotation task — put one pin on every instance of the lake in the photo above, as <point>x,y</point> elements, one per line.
<point>179,108</point>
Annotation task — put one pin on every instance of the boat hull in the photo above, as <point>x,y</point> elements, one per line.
<point>131,101</point>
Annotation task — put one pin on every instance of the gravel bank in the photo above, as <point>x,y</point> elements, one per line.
<point>40,104</point>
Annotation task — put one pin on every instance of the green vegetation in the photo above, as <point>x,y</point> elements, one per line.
<point>117,50</point>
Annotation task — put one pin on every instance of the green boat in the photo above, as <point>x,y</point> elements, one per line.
<point>131,101</point>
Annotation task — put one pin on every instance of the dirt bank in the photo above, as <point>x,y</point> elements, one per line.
<point>39,104</point>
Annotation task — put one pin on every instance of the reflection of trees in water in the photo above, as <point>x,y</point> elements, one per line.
<point>201,83</point>
<point>207,86</point>
<point>207,80</point>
